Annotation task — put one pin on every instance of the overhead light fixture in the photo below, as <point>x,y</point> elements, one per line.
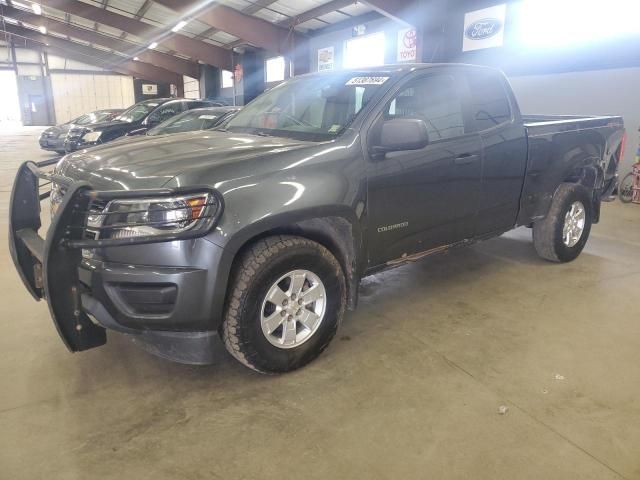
<point>37,9</point>
<point>179,26</point>
<point>43,29</point>
<point>136,59</point>
<point>153,45</point>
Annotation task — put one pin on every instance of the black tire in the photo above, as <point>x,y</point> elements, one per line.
<point>625,188</point>
<point>548,232</point>
<point>256,270</point>
<point>61,152</point>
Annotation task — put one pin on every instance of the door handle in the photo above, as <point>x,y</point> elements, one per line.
<point>465,159</point>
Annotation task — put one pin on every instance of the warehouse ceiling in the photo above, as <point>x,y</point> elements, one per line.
<point>208,31</point>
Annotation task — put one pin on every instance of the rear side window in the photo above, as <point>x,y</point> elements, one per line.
<point>489,101</point>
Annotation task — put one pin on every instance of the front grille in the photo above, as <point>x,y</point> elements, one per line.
<point>76,133</point>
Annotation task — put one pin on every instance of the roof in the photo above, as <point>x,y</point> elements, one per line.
<point>297,16</point>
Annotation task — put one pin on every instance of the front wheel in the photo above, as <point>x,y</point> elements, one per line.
<point>563,233</point>
<point>625,188</point>
<point>287,297</point>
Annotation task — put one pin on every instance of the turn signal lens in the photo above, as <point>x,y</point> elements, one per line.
<point>197,206</point>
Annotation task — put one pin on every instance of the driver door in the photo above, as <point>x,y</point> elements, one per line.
<point>423,199</point>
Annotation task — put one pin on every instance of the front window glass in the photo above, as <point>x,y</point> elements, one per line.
<point>435,100</point>
<point>137,112</point>
<point>313,108</point>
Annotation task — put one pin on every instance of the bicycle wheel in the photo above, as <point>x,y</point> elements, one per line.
<point>625,188</point>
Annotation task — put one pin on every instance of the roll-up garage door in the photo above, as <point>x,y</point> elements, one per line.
<point>76,94</point>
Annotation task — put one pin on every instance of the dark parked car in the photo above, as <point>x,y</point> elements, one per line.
<point>137,119</point>
<point>53,137</point>
<point>192,120</point>
<point>261,232</point>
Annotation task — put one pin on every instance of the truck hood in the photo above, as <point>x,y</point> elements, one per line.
<point>152,162</point>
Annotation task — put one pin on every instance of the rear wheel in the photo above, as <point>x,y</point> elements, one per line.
<point>625,189</point>
<point>286,301</point>
<point>563,233</point>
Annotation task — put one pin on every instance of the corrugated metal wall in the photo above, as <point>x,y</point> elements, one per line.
<point>77,93</point>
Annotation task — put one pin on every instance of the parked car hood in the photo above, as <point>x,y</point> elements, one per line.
<point>152,162</point>
<point>57,130</point>
<point>109,124</point>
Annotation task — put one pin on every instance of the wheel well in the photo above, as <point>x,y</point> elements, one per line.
<point>587,176</point>
<point>591,177</point>
<point>335,234</point>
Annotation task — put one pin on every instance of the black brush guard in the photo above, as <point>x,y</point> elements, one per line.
<point>49,266</point>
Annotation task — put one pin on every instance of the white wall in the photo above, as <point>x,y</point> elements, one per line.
<point>598,92</point>
<point>78,93</point>
<point>60,63</point>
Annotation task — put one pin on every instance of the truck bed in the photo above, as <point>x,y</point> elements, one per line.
<point>537,125</point>
<point>566,148</point>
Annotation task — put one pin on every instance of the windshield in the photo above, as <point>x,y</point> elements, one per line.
<point>313,108</point>
<point>137,112</point>
<point>201,119</point>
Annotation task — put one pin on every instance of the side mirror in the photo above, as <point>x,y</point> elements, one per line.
<point>402,134</point>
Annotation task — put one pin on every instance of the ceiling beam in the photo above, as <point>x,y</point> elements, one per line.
<point>97,57</point>
<point>250,10</point>
<point>195,49</point>
<point>311,14</point>
<point>405,12</point>
<point>316,12</point>
<point>251,29</point>
<point>168,62</point>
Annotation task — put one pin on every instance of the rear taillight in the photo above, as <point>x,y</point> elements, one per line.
<point>623,145</point>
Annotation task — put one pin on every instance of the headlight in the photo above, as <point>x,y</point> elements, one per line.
<point>91,136</point>
<point>152,217</point>
<point>57,193</point>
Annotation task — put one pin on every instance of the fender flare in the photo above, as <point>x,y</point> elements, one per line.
<point>307,223</point>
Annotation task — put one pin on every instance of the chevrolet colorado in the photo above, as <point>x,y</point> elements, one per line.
<point>261,232</point>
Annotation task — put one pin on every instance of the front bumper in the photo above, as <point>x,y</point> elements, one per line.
<point>52,144</point>
<point>71,145</point>
<point>167,309</point>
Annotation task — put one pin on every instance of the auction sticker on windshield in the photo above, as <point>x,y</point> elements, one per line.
<point>367,81</point>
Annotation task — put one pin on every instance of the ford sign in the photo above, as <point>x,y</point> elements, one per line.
<point>481,29</point>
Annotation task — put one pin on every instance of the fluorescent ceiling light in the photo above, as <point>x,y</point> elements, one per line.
<point>179,26</point>
<point>43,29</point>
<point>153,45</point>
<point>37,9</point>
<point>10,20</point>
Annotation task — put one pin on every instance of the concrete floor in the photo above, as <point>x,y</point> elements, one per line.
<point>410,388</point>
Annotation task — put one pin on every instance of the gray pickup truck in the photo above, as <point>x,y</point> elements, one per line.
<point>261,232</point>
